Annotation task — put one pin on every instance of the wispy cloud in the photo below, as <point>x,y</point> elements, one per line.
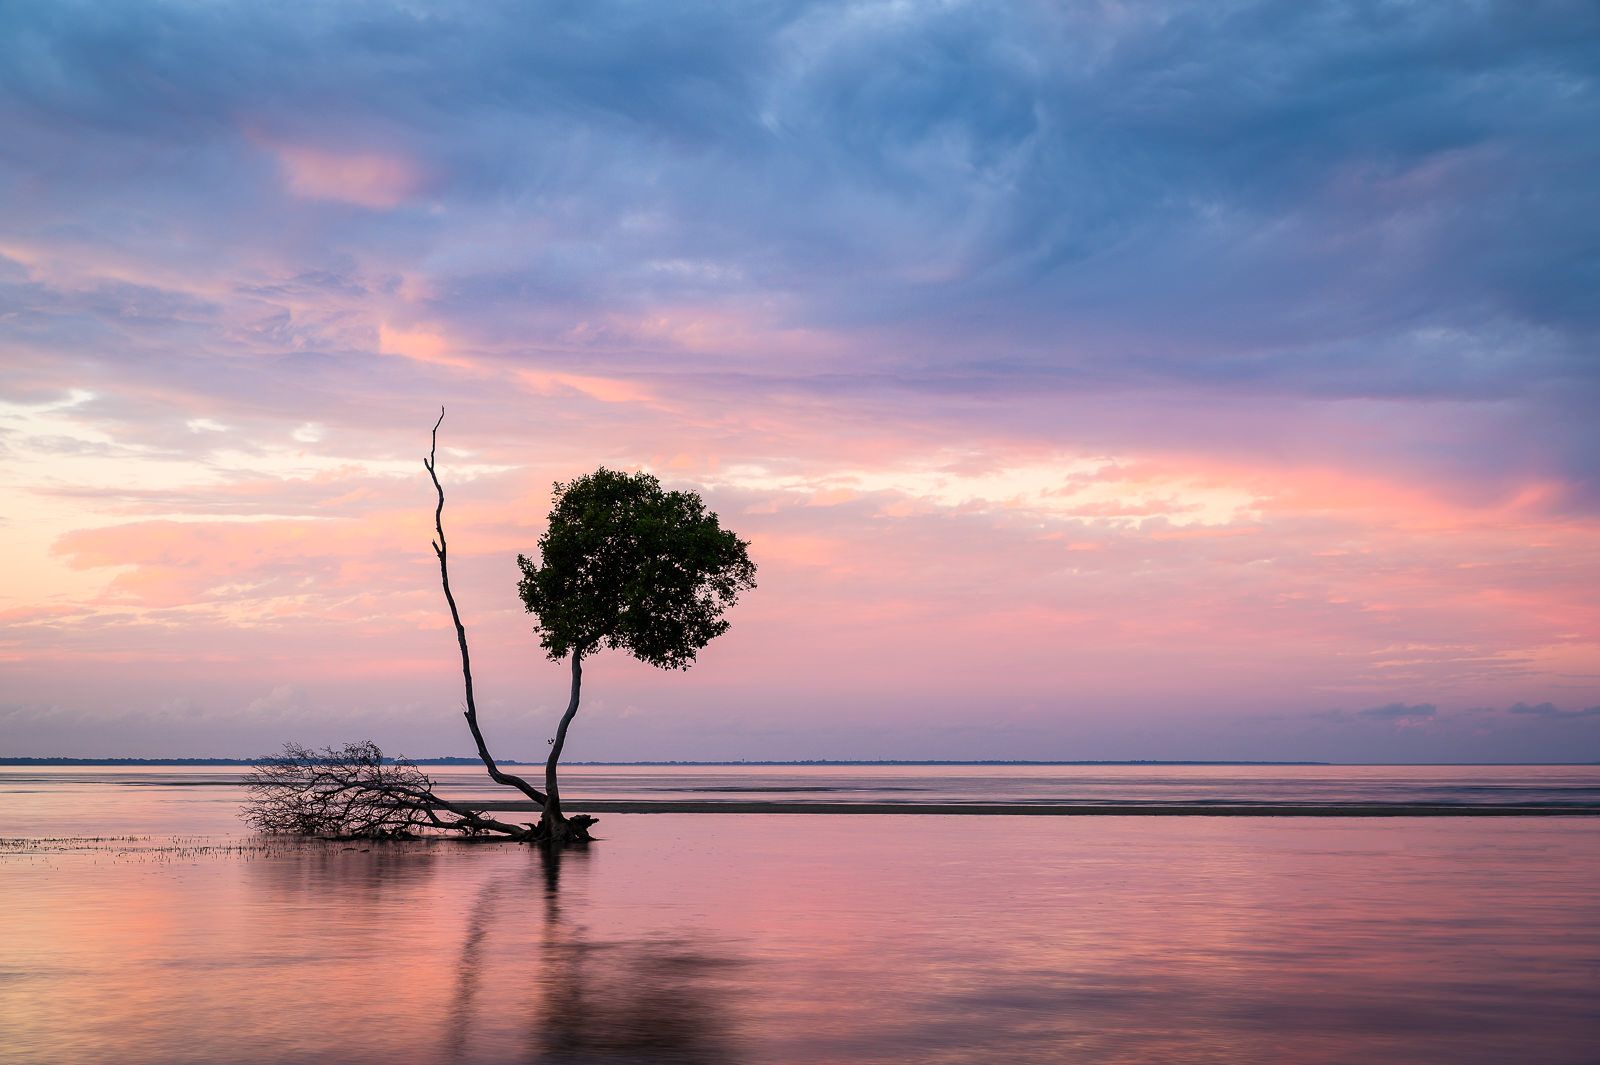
<point>1172,362</point>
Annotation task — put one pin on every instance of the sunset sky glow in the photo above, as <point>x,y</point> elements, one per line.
<point>1092,380</point>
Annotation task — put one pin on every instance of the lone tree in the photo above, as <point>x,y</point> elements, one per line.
<point>626,565</point>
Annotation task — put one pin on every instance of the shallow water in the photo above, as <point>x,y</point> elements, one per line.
<point>65,800</point>
<point>755,938</point>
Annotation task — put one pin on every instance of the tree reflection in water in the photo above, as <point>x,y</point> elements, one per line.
<point>594,1002</point>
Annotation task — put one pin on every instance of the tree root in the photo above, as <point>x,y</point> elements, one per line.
<point>563,831</point>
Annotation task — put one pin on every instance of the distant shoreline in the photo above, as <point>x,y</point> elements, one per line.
<point>28,761</point>
<point>24,762</point>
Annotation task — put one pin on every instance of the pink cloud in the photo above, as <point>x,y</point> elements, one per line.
<point>421,344</point>
<point>378,181</point>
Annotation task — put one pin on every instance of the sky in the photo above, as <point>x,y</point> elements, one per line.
<point>1091,380</point>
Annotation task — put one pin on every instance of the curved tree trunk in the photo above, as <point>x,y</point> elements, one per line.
<point>496,774</point>
<point>555,827</point>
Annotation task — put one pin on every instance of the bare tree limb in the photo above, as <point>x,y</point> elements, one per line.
<point>471,712</point>
<point>352,792</point>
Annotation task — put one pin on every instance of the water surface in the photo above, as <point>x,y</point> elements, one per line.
<point>797,939</point>
<point>189,799</point>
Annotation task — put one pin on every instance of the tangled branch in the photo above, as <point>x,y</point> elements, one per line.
<point>350,792</point>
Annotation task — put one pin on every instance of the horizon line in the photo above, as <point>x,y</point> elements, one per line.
<point>450,760</point>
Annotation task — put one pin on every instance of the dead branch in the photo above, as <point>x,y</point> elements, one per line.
<point>352,792</point>
<point>471,712</point>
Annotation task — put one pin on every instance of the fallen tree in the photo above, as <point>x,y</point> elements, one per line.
<point>353,792</point>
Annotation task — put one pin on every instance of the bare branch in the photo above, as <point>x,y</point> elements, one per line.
<point>351,792</point>
<point>471,713</point>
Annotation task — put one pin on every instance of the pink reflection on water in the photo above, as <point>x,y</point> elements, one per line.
<point>811,939</point>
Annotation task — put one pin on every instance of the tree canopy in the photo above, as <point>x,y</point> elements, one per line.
<point>628,565</point>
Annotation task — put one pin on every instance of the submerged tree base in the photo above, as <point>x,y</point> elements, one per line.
<point>563,831</point>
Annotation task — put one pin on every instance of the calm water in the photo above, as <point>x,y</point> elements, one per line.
<point>683,938</point>
<point>188,800</point>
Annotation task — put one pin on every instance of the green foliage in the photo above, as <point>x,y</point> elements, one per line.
<point>630,566</point>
